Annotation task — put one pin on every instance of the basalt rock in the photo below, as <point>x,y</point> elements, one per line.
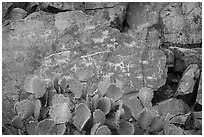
<point>108,52</point>
<point>17,13</point>
<point>114,12</point>
<point>182,22</point>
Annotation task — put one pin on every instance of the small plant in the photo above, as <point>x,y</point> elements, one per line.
<point>24,108</point>
<point>17,122</point>
<point>58,129</point>
<point>31,127</point>
<point>44,126</point>
<point>94,102</point>
<point>63,85</point>
<point>94,128</point>
<point>82,115</point>
<point>125,128</point>
<point>104,104</point>
<point>37,108</point>
<point>103,85</point>
<point>35,85</point>
<point>103,130</point>
<point>99,116</point>
<point>157,124</point>
<point>59,99</point>
<point>75,87</point>
<point>145,118</point>
<point>60,113</point>
<point>135,106</point>
<point>145,95</point>
<point>114,92</point>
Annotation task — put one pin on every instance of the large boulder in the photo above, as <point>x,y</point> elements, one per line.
<point>88,43</point>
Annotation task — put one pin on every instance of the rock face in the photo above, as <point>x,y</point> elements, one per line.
<point>114,12</point>
<point>67,5</point>
<point>182,22</point>
<point>26,45</point>
<point>177,22</point>
<point>143,14</point>
<point>107,53</point>
<point>81,44</point>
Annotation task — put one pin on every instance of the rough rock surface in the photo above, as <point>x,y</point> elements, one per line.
<point>188,79</point>
<point>111,54</point>
<point>130,45</point>
<point>67,5</point>
<point>114,12</point>
<point>177,22</point>
<point>172,107</point>
<point>17,13</point>
<point>199,96</point>
<point>182,22</point>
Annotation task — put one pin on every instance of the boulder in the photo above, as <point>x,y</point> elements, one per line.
<point>17,14</point>
<point>188,80</point>
<point>172,107</point>
<point>199,94</point>
<point>107,51</point>
<point>182,22</point>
